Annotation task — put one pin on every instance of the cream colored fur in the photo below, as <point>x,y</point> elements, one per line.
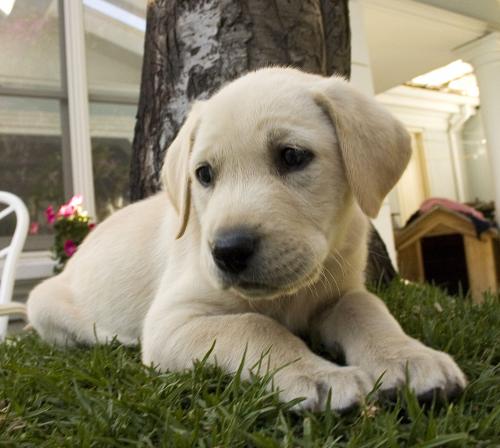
<point>146,274</point>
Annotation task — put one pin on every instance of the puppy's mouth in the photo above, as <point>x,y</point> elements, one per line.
<point>252,289</point>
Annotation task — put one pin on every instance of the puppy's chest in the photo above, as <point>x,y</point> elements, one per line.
<point>297,312</point>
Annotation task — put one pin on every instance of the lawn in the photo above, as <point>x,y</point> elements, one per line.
<point>103,396</point>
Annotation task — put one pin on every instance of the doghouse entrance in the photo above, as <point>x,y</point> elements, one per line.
<point>444,262</point>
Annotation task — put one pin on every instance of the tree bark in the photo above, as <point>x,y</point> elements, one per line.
<point>193,47</point>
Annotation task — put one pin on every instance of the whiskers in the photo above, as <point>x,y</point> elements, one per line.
<point>341,261</point>
<point>331,281</point>
<point>319,282</point>
<point>298,271</point>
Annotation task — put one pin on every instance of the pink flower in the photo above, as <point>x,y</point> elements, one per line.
<point>76,200</point>
<point>70,247</point>
<point>34,227</point>
<point>50,215</point>
<point>71,207</point>
<point>66,211</point>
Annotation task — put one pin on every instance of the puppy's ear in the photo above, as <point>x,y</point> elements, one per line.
<point>375,147</point>
<point>175,171</point>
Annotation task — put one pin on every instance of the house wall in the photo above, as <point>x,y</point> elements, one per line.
<point>439,163</point>
<point>431,114</point>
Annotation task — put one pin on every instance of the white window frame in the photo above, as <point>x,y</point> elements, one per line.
<point>74,78</point>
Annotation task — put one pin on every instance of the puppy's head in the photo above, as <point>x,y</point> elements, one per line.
<point>271,164</point>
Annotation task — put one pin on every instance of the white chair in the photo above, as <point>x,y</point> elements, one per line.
<point>11,254</point>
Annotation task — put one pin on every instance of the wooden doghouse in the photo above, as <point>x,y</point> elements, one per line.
<point>442,247</point>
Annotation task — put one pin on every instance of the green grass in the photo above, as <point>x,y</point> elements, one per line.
<point>103,396</point>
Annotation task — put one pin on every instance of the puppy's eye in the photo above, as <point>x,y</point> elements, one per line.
<point>294,159</point>
<point>205,175</point>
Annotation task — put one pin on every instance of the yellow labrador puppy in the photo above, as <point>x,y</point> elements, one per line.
<point>259,237</point>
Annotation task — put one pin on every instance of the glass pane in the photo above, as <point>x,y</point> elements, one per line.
<point>112,129</point>
<point>476,161</point>
<point>31,157</point>
<point>114,40</point>
<point>29,44</point>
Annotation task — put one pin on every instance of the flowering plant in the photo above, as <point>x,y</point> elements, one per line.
<point>71,225</point>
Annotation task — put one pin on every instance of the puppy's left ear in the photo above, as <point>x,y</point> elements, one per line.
<point>175,170</point>
<point>375,147</point>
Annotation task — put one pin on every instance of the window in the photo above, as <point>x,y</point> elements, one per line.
<point>35,151</point>
<point>114,42</point>
<point>29,41</point>
<point>477,173</point>
<point>111,128</point>
<point>31,151</point>
<point>32,160</point>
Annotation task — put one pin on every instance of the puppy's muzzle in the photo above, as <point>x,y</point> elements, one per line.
<point>234,249</point>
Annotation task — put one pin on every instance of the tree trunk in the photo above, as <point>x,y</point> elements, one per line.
<point>193,47</point>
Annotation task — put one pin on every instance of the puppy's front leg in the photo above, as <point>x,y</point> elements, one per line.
<point>372,339</point>
<point>173,338</point>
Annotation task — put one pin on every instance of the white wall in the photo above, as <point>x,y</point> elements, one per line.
<point>431,114</point>
<point>439,163</point>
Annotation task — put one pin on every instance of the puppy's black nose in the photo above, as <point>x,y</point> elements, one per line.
<point>233,249</point>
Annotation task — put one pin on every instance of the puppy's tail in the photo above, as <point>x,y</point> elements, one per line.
<point>14,308</point>
<point>7,309</point>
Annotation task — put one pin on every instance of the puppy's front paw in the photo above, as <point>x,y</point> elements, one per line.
<point>348,385</point>
<point>430,372</point>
